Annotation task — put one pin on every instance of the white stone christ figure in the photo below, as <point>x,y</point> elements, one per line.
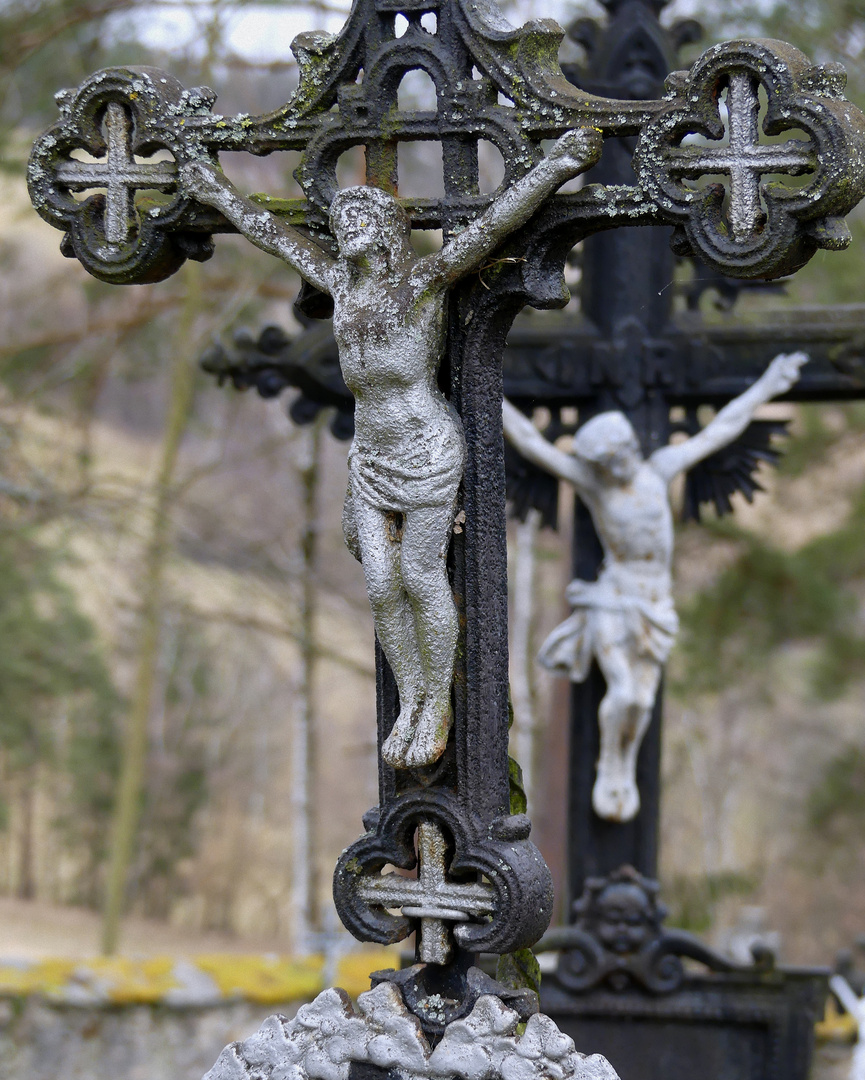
<point>408,454</point>
<point>626,619</point>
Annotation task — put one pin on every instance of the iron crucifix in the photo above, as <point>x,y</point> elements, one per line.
<point>626,620</point>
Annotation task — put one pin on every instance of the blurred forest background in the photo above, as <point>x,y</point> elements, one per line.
<point>171,562</point>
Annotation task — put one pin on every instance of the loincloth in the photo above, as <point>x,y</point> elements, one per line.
<point>648,626</point>
<point>426,473</point>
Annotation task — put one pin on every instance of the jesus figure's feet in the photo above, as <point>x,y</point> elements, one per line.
<point>615,796</point>
<point>396,745</point>
<point>431,734</point>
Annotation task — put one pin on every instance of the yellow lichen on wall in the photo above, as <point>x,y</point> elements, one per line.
<point>196,981</point>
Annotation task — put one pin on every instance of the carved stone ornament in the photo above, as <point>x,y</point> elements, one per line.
<point>619,939</point>
<point>754,225</point>
<point>327,1037</point>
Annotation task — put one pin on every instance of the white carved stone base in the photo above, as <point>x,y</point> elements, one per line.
<point>327,1036</point>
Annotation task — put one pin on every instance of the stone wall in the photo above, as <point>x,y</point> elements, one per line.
<point>154,1019</point>
<point>169,1019</point>
<point>41,1040</point>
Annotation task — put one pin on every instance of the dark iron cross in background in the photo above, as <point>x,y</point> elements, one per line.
<point>620,980</point>
<point>628,352</point>
<point>483,886</point>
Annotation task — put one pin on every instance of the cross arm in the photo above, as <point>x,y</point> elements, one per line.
<point>206,184</point>
<point>732,420</point>
<point>572,154</point>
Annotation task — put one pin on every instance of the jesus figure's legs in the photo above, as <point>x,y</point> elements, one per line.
<point>623,716</point>
<point>424,574</point>
<point>370,532</point>
<point>415,620</point>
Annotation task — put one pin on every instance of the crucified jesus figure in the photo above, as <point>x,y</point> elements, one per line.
<point>408,454</point>
<point>626,619</point>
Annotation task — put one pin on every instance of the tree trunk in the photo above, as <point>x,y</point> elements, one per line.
<point>304,749</point>
<point>26,889</point>
<point>127,808</point>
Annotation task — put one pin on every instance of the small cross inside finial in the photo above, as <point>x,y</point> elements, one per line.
<point>119,173</point>
<point>745,160</point>
<point>431,897</point>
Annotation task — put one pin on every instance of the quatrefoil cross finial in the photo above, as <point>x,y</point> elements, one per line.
<point>480,884</point>
<point>121,118</point>
<point>746,160</point>
<point>119,173</point>
<point>764,228</point>
<point>431,897</point>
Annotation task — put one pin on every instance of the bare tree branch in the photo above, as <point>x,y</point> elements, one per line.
<point>274,629</point>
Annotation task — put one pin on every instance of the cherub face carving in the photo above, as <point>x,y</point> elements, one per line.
<point>624,917</point>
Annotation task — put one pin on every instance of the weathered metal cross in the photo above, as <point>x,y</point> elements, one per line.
<point>501,84</point>
<point>119,173</point>
<point>431,897</point>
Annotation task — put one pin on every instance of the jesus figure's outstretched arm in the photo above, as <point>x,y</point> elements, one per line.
<point>522,434</point>
<point>571,154</point>
<point>732,420</point>
<point>205,183</point>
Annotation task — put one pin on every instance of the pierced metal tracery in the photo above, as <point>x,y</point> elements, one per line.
<point>431,897</point>
<point>745,159</point>
<point>348,97</point>
<point>119,173</point>
<point>769,228</point>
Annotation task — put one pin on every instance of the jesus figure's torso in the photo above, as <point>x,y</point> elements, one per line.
<point>391,339</point>
<point>635,525</point>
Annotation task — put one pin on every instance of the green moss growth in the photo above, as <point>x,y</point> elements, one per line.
<point>519,970</point>
<point>769,597</point>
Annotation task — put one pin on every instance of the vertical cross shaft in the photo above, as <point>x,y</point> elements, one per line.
<point>435,940</point>
<point>743,107</point>
<point>626,298</point>
<point>118,201</point>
